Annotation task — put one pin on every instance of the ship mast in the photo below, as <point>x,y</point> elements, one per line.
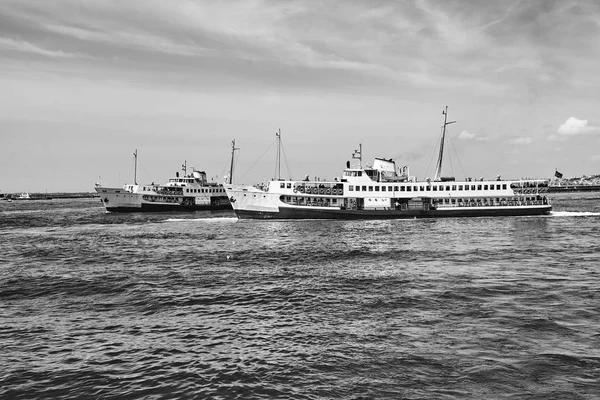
<point>233,149</point>
<point>278,165</point>
<point>358,154</point>
<point>135,167</point>
<point>184,167</point>
<point>438,168</point>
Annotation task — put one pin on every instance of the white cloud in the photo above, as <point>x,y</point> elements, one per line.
<point>23,46</point>
<point>574,126</point>
<point>557,138</point>
<point>465,135</point>
<point>521,140</point>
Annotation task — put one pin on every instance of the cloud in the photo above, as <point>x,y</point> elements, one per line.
<point>574,126</point>
<point>521,140</point>
<point>381,45</point>
<point>23,46</point>
<point>465,135</point>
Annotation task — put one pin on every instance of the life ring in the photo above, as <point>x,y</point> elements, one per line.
<point>328,191</point>
<point>335,191</point>
<point>321,191</point>
<point>301,189</point>
<point>295,189</point>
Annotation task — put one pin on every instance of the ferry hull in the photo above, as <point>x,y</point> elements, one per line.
<point>167,208</point>
<point>297,213</point>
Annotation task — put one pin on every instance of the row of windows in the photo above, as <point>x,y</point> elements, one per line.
<point>425,188</point>
<point>310,201</point>
<point>218,190</point>
<point>492,201</point>
<point>352,173</point>
<point>185,180</point>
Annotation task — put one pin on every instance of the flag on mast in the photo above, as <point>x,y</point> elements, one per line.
<point>558,174</point>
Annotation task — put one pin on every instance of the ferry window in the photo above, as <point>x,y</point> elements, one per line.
<point>370,188</point>
<point>428,188</point>
<point>497,187</point>
<point>377,188</point>
<point>282,185</point>
<point>359,173</point>
<point>460,187</point>
<point>289,185</point>
<point>478,187</point>
<point>453,187</point>
<point>472,187</point>
<point>358,188</point>
<point>396,188</point>
<point>402,188</point>
<point>408,188</point>
<point>389,188</point>
<point>504,186</point>
<point>383,188</point>
<point>422,189</point>
<point>485,187</point>
<point>435,188</point>
<point>351,188</point>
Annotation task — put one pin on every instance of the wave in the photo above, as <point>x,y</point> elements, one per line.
<point>574,214</point>
<point>224,219</point>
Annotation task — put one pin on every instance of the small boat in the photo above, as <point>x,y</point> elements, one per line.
<point>188,192</point>
<point>382,191</point>
<point>23,196</point>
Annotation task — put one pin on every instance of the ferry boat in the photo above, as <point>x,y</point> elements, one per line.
<point>189,192</point>
<point>383,191</point>
<point>23,196</point>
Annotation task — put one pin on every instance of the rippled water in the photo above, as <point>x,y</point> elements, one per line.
<point>203,305</point>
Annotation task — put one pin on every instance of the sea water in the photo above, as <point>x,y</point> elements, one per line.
<point>202,305</point>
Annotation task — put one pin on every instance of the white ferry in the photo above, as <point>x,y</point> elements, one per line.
<point>23,196</point>
<point>382,191</point>
<point>188,192</point>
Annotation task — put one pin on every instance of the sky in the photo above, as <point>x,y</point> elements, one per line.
<point>83,84</point>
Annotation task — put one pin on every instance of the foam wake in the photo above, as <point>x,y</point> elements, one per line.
<point>232,219</point>
<point>574,214</point>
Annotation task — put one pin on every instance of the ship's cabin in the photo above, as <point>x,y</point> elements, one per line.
<point>382,170</point>
<point>197,177</point>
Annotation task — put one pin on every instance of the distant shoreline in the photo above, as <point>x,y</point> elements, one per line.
<point>49,196</point>
<point>573,188</point>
